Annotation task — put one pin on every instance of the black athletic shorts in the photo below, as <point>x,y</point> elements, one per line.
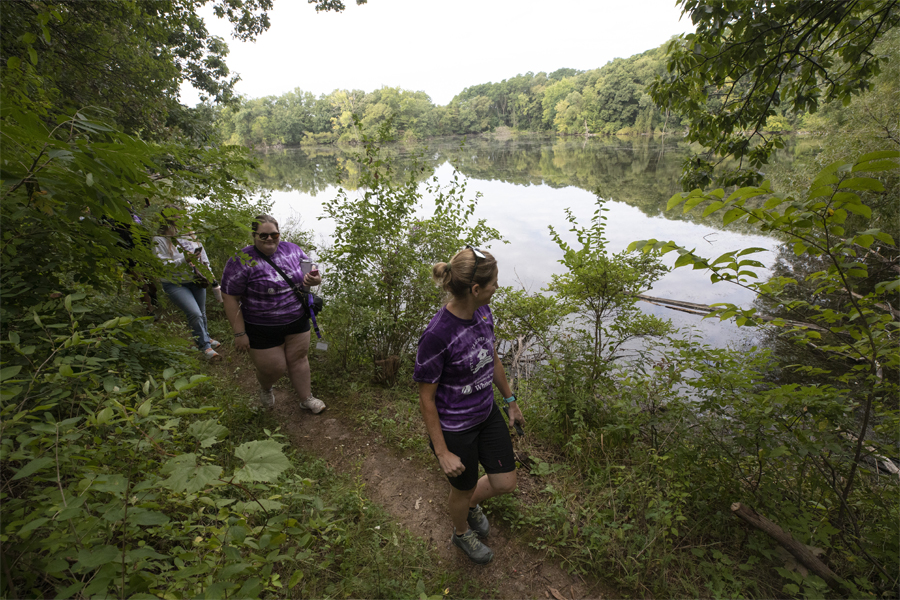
<point>487,443</point>
<point>263,337</point>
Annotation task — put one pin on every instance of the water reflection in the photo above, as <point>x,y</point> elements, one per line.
<point>526,183</point>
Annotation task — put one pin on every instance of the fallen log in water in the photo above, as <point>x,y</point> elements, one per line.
<point>703,309</point>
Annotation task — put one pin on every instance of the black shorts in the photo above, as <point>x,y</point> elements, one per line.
<point>487,443</point>
<point>263,337</point>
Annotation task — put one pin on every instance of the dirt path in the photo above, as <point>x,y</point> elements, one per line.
<point>416,496</point>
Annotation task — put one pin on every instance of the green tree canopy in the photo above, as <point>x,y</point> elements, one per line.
<point>750,58</point>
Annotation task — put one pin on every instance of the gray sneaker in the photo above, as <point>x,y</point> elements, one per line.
<point>472,546</point>
<point>267,398</point>
<point>478,522</point>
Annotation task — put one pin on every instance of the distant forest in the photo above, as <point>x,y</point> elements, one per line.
<point>609,100</point>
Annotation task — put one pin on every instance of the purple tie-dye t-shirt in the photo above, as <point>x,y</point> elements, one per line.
<point>458,355</point>
<point>266,298</point>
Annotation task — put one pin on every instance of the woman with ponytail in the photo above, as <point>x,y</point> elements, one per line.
<point>455,366</point>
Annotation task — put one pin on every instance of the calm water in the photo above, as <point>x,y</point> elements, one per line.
<point>526,185</point>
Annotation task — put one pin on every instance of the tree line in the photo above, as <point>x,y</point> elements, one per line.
<point>610,100</point>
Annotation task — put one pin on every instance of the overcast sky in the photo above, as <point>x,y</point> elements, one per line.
<point>438,47</point>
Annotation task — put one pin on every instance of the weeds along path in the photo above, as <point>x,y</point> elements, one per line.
<point>415,495</point>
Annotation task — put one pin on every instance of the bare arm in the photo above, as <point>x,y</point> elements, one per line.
<point>450,463</point>
<point>233,312</point>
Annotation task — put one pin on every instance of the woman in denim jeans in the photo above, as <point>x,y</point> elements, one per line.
<point>179,282</point>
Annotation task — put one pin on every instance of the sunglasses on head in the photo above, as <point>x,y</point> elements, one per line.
<point>478,256</point>
<point>265,236</point>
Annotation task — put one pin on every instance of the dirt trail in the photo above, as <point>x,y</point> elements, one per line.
<point>416,496</point>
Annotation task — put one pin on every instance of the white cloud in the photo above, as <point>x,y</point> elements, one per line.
<point>438,48</point>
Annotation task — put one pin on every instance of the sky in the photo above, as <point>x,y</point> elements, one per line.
<point>437,47</point>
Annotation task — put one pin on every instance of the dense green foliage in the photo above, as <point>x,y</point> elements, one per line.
<point>123,471</point>
<point>608,100</point>
<point>381,294</point>
<point>750,61</point>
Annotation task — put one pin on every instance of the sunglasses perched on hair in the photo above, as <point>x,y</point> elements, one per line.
<point>265,236</point>
<point>478,256</point>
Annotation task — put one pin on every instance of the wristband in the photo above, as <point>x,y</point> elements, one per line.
<point>237,335</point>
<point>510,399</point>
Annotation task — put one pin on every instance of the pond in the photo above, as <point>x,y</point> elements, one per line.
<point>526,184</point>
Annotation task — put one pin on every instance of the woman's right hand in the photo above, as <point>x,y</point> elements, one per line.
<point>451,464</point>
<point>242,343</point>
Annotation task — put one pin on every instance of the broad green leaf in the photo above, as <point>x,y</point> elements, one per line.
<point>144,552</point>
<point>820,192</point>
<point>141,516</point>
<point>638,245</point>
<point>7,372</point>
<point>684,259</point>
<point>727,257</point>
<point>31,526</point>
<point>773,202</point>
<point>104,415</point>
<point>885,238</point>
<point>877,165</point>
<point>862,183</point>
<point>800,248</point>
<point>207,432</point>
<point>295,579</point>
<point>113,483</point>
<point>733,215</point>
<point>864,240</point>
<point>185,475</point>
<point>859,209</point>
<point>675,201</point>
<point>878,155</point>
<point>713,207</point>
<point>32,467</point>
<point>168,373</point>
<point>263,461</point>
<point>144,408</point>
<point>96,557</point>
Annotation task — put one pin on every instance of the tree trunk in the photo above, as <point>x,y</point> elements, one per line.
<point>798,550</point>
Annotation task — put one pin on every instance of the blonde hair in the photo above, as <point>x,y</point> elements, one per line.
<point>456,277</point>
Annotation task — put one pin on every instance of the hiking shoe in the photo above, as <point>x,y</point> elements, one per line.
<point>478,522</point>
<point>214,344</point>
<point>211,355</point>
<point>470,544</point>
<point>267,398</point>
<point>313,404</point>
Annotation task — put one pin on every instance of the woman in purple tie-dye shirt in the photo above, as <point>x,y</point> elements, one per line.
<point>266,315</point>
<point>456,365</point>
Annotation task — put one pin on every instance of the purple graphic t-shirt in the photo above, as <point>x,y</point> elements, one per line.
<point>266,298</point>
<point>458,355</point>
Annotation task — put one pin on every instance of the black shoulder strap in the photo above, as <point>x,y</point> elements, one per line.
<point>306,303</point>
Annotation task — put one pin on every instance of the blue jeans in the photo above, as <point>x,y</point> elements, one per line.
<point>191,299</point>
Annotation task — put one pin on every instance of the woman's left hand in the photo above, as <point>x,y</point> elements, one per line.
<point>310,280</point>
<point>515,415</point>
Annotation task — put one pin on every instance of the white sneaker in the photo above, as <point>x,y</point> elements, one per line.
<point>313,404</point>
<point>211,355</point>
<point>267,398</point>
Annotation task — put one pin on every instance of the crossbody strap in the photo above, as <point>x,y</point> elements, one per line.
<point>308,302</point>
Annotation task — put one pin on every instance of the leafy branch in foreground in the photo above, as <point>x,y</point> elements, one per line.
<point>748,60</point>
<point>851,416</point>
